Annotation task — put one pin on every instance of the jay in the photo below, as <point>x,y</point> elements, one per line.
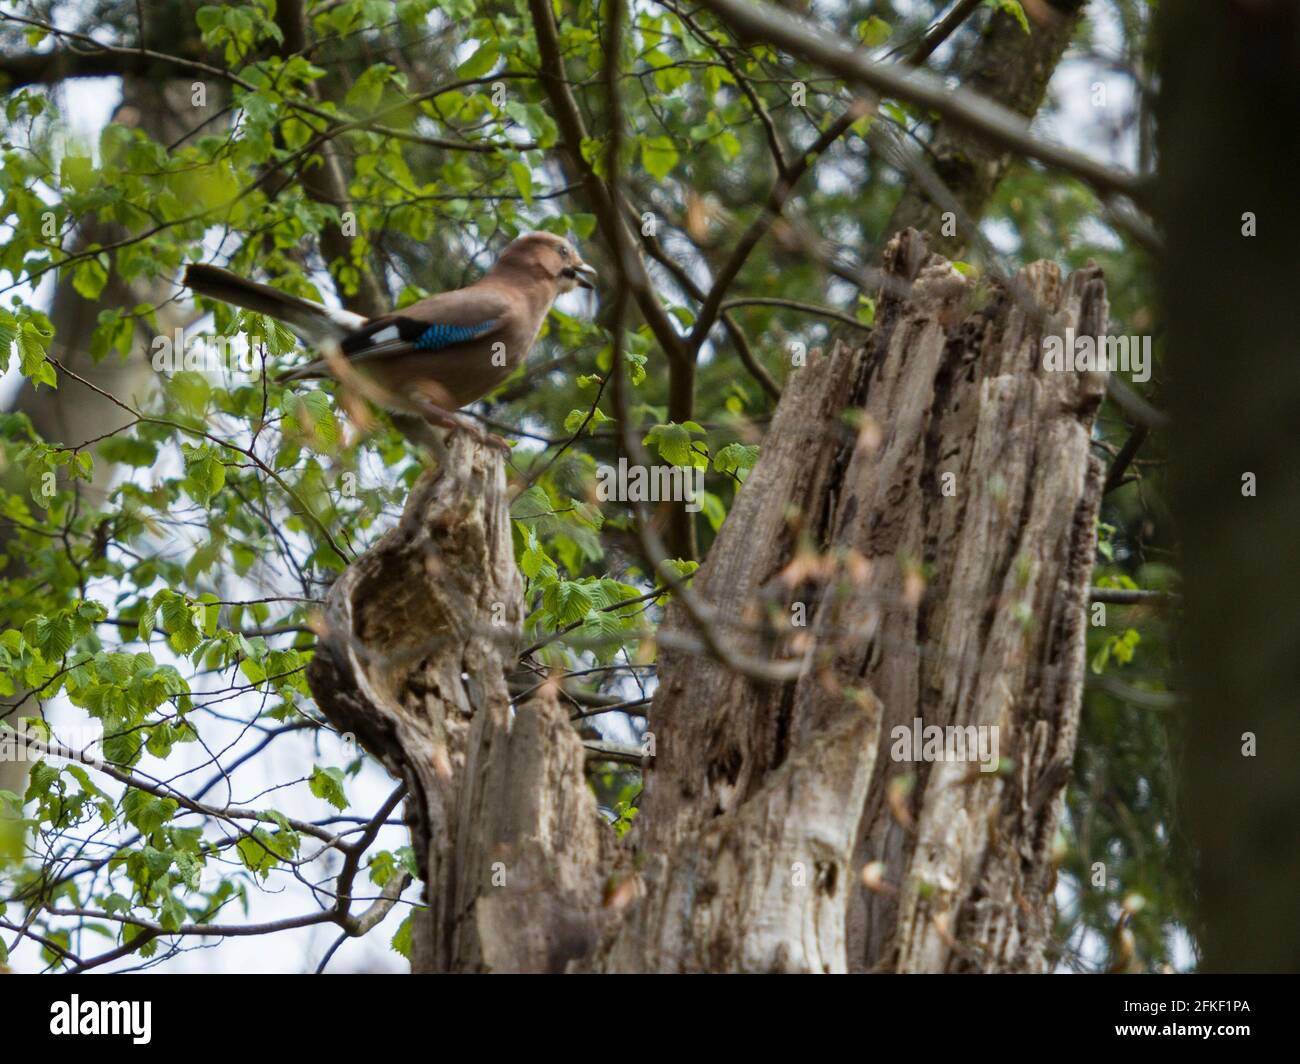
<point>440,353</point>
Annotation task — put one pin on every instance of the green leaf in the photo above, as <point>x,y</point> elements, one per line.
<point>523,180</point>
<point>535,563</point>
<point>327,783</point>
<point>894,111</point>
<point>180,621</point>
<point>483,60</point>
<point>145,812</point>
<point>368,89</point>
<point>188,867</point>
<point>568,601</point>
<point>574,419</point>
<point>128,450</point>
<point>402,940</point>
<point>89,278</point>
<point>1014,8</point>
<point>1125,645</point>
<point>658,156</point>
<point>211,613</point>
<point>262,851</point>
<point>204,473</point>
<point>635,367</point>
<point>728,144</point>
<point>314,417</point>
<point>679,568</point>
<point>52,636</point>
<point>874,31</point>
<point>674,444</point>
<point>77,172</point>
<point>278,337</point>
<point>32,345</point>
<point>148,618</point>
<point>737,458</point>
<point>8,334</point>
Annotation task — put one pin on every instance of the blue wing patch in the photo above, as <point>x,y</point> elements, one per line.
<point>438,336</point>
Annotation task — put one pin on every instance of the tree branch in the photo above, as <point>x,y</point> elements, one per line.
<point>1123,596</point>
<point>681,356</point>
<point>802,308</point>
<point>761,21</point>
<point>945,28</point>
<point>776,199</point>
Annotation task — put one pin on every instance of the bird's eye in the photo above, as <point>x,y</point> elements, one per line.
<point>564,252</point>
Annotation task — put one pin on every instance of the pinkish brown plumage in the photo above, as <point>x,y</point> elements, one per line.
<point>440,353</point>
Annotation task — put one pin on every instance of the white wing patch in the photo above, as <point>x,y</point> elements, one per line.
<point>345,319</point>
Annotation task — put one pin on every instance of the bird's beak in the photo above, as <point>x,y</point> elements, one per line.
<point>585,275</point>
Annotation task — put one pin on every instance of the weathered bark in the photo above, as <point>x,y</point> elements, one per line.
<point>995,637</point>
<point>766,802</point>
<point>1228,110</point>
<point>416,640</point>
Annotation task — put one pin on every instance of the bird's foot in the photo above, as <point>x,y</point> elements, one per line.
<point>437,416</point>
<point>486,439</point>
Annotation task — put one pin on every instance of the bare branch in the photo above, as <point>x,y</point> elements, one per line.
<point>943,29</point>
<point>1115,474</point>
<point>762,21</point>
<point>802,308</point>
<point>1122,596</point>
<point>625,259</point>
<point>776,199</point>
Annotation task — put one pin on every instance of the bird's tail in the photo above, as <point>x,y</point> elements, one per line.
<point>314,322</point>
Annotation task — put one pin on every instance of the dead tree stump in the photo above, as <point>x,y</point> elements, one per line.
<point>937,542</point>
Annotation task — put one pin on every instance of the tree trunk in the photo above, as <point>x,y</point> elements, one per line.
<point>416,641</point>
<point>959,600</point>
<point>1230,77</point>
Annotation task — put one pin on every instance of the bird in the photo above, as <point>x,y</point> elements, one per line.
<point>437,355</point>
